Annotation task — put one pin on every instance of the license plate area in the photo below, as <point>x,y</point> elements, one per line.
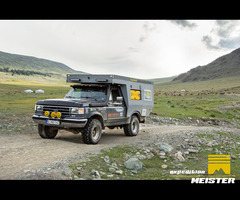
<point>52,122</point>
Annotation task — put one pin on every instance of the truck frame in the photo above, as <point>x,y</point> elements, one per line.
<point>96,102</point>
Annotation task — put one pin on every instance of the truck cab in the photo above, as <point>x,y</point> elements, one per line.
<point>93,103</point>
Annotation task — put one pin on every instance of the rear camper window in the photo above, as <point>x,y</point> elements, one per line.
<point>135,94</point>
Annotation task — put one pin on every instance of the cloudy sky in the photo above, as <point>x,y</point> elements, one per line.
<point>136,48</point>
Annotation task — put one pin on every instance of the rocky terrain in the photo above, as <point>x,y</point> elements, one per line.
<point>172,149</point>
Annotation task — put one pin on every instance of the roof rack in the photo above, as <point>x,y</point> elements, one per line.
<point>99,78</point>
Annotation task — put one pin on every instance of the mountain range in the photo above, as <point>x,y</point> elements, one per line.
<point>30,63</point>
<point>224,66</point>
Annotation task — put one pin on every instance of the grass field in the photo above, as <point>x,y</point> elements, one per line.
<point>218,99</point>
<point>222,107</point>
<point>13,99</point>
<point>17,107</point>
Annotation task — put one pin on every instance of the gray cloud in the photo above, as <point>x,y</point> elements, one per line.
<point>148,27</point>
<point>184,23</point>
<point>224,30</point>
<point>207,40</point>
<point>231,43</point>
<point>225,27</point>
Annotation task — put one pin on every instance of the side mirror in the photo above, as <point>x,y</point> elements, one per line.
<point>120,99</point>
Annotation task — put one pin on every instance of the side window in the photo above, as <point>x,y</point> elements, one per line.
<point>115,94</point>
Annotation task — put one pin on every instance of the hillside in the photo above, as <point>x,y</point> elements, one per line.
<point>224,66</point>
<point>162,80</point>
<point>29,63</point>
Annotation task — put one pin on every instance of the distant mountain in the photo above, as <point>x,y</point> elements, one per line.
<point>224,66</point>
<point>162,80</point>
<point>29,63</point>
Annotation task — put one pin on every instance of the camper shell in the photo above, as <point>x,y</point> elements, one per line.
<point>105,101</point>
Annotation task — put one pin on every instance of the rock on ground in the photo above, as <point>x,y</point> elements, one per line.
<point>133,164</point>
<point>165,147</point>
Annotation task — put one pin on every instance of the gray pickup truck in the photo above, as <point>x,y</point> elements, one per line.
<point>93,103</point>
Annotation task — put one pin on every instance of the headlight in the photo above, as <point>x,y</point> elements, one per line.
<point>78,111</point>
<point>39,108</point>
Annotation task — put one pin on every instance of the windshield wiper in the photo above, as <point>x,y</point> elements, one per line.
<point>92,98</point>
<point>70,97</point>
<point>88,97</point>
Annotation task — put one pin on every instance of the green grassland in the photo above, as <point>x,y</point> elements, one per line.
<point>13,100</point>
<point>7,78</point>
<point>204,106</point>
<point>217,99</point>
<point>17,107</point>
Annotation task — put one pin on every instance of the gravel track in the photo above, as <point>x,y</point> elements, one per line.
<point>28,156</point>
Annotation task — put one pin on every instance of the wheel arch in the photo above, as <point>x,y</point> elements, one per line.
<point>137,114</point>
<point>97,116</point>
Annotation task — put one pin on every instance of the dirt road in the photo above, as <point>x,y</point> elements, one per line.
<point>21,154</point>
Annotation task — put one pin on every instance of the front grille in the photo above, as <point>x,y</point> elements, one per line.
<point>65,111</point>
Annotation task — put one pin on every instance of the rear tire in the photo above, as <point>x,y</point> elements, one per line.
<point>132,129</point>
<point>92,132</point>
<point>47,132</point>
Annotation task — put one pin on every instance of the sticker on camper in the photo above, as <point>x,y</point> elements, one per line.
<point>135,94</point>
<point>147,95</point>
<point>119,109</point>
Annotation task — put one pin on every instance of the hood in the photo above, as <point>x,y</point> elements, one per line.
<point>65,102</point>
<point>71,102</point>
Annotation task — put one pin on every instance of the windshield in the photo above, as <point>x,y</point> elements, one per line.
<point>99,94</point>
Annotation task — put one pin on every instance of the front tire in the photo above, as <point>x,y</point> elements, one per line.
<point>132,129</point>
<point>92,133</point>
<point>47,132</point>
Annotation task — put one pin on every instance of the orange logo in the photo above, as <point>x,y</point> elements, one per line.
<point>113,114</point>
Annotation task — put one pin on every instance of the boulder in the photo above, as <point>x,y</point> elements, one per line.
<point>165,147</point>
<point>133,164</point>
<point>95,174</point>
<point>179,156</point>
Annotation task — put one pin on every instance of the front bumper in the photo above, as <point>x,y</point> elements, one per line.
<point>64,123</point>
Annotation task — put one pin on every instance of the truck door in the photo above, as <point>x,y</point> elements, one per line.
<point>116,107</point>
